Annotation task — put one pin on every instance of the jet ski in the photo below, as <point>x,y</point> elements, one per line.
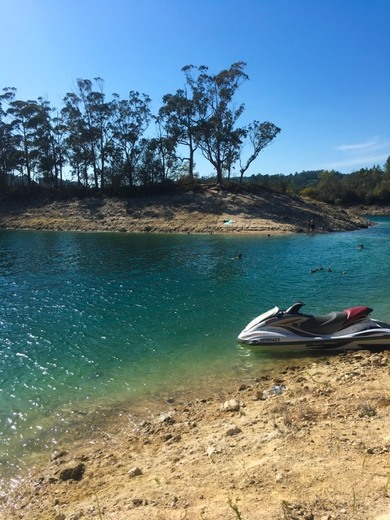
<point>352,328</point>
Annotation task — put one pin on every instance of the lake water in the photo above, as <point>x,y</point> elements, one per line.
<point>90,321</point>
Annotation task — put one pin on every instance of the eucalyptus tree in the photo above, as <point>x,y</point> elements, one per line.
<point>165,152</point>
<point>58,145</point>
<point>217,135</point>
<point>78,151</point>
<point>179,116</point>
<point>259,135</point>
<point>96,125</point>
<point>8,145</point>
<point>158,161</point>
<point>49,146</point>
<point>130,120</point>
<point>150,170</point>
<point>89,130</point>
<point>28,122</point>
<point>27,138</point>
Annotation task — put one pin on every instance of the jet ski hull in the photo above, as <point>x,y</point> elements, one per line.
<point>286,330</point>
<point>317,344</point>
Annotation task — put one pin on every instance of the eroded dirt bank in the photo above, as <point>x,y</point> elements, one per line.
<point>210,211</point>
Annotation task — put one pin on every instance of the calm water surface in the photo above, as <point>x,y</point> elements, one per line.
<point>91,321</point>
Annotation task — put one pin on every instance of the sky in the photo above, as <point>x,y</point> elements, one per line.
<point>318,69</point>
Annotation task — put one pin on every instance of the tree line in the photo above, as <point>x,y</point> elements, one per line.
<point>365,186</point>
<point>108,145</point>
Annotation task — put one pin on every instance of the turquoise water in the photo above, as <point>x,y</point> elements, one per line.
<point>90,321</point>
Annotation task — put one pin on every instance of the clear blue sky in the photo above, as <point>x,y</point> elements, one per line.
<point>318,69</point>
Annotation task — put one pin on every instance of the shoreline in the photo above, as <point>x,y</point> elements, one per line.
<point>212,211</point>
<point>318,448</point>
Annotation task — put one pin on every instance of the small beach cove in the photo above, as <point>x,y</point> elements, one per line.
<point>317,449</point>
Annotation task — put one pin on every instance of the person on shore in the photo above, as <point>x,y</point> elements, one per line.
<point>310,225</point>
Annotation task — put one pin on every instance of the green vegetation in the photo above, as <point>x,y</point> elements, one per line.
<point>366,186</point>
<point>107,145</point>
<point>234,506</point>
<point>117,146</point>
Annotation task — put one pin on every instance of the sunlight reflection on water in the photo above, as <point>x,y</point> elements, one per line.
<point>90,322</point>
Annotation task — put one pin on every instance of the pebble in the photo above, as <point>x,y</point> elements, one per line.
<point>233,431</point>
<point>231,406</point>
<point>135,472</point>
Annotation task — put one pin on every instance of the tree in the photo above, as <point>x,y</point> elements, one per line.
<point>103,141</point>
<point>8,143</point>
<point>88,116</point>
<point>179,116</point>
<point>130,120</point>
<point>165,153</point>
<point>78,147</point>
<point>46,151</point>
<point>58,144</point>
<point>260,135</point>
<point>384,187</point>
<point>212,95</point>
<point>158,162</point>
<point>386,167</point>
<point>28,120</point>
<point>329,186</point>
<point>95,122</point>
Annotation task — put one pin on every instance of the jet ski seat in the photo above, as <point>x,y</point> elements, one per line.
<point>325,324</point>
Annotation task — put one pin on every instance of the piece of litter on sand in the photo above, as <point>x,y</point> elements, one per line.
<point>275,390</point>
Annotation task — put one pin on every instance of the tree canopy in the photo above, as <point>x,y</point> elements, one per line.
<point>367,186</point>
<point>118,144</point>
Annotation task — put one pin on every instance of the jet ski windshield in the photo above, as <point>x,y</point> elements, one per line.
<point>265,316</point>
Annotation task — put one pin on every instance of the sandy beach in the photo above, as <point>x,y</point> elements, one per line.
<point>309,442</point>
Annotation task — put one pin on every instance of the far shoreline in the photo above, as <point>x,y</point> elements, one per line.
<point>214,211</point>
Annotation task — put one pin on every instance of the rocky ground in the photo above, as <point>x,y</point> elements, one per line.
<point>311,442</point>
<point>212,210</point>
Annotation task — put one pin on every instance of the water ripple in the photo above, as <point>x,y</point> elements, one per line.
<point>90,320</point>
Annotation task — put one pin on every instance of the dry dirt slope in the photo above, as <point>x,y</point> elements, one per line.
<point>212,210</point>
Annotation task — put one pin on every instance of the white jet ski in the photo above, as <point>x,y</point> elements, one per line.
<point>352,328</point>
